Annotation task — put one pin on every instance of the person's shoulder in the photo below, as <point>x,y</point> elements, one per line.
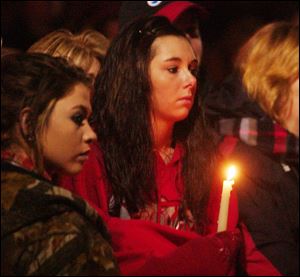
<point>61,228</point>
<point>65,244</point>
<point>251,161</point>
<point>34,198</point>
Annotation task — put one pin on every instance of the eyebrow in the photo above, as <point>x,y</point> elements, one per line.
<point>172,59</point>
<point>82,108</point>
<point>177,59</point>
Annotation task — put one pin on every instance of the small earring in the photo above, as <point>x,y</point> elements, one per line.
<point>30,138</point>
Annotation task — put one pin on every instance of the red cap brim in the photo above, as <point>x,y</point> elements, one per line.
<point>176,8</point>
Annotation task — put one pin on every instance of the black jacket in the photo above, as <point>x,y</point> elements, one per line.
<point>268,199</point>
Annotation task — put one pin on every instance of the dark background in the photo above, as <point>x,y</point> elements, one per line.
<point>229,25</point>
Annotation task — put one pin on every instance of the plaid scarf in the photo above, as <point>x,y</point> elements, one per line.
<point>268,136</point>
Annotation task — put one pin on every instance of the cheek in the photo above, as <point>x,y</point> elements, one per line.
<point>295,110</point>
<point>160,85</point>
<point>162,98</point>
<point>166,85</point>
<point>295,101</point>
<point>160,81</point>
<point>295,118</point>
<point>59,148</point>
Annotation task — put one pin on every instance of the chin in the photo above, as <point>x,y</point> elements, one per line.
<point>73,170</point>
<point>182,117</point>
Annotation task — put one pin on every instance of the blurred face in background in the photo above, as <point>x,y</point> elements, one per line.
<point>188,23</point>
<point>292,118</point>
<point>94,70</point>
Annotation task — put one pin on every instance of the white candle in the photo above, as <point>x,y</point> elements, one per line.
<point>224,205</point>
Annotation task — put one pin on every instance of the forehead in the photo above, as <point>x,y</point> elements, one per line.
<point>172,46</point>
<point>79,94</point>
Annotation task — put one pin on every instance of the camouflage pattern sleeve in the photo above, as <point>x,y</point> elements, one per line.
<point>47,231</point>
<point>64,245</point>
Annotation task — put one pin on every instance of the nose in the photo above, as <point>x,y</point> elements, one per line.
<point>89,135</point>
<point>190,79</point>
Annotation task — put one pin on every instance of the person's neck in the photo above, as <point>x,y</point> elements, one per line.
<point>163,133</point>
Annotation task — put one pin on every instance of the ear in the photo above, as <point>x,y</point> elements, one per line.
<point>25,122</point>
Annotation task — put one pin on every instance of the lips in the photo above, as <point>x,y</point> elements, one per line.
<point>82,157</point>
<point>186,100</point>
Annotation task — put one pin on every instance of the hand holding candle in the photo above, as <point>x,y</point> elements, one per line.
<point>224,205</point>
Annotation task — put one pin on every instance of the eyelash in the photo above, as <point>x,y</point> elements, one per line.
<point>174,70</point>
<point>78,119</point>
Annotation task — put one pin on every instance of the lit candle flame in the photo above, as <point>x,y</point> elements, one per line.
<point>231,172</point>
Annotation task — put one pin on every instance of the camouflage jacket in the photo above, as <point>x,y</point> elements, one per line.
<point>46,230</point>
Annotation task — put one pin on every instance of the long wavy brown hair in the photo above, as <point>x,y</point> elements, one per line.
<point>122,119</point>
<point>37,82</point>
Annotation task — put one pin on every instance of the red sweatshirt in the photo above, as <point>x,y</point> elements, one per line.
<point>145,247</point>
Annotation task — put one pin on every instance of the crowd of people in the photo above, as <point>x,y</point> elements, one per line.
<point>112,151</point>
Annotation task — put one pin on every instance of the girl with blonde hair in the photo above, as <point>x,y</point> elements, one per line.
<point>85,49</point>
